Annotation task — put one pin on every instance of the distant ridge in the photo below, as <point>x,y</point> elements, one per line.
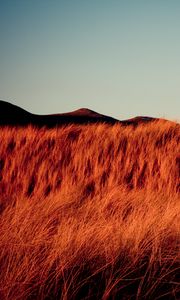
<point>11,114</point>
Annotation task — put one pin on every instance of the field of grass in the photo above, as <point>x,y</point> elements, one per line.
<point>90,212</point>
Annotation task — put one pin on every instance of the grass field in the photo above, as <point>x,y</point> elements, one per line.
<point>90,212</point>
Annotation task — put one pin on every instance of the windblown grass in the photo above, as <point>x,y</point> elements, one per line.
<point>90,212</point>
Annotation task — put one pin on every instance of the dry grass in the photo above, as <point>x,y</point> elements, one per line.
<point>89,212</point>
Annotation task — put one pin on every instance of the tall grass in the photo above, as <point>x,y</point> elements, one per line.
<point>90,212</point>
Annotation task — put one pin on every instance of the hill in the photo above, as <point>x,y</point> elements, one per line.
<point>88,210</point>
<point>11,114</point>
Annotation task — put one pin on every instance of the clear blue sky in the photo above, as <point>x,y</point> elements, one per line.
<point>120,58</point>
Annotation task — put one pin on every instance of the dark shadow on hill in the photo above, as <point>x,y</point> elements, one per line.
<point>12,115</point>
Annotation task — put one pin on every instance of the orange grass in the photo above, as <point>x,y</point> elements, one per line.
<point>89,212</point>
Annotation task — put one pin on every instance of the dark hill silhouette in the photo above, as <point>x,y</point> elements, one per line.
<point>11,114</point>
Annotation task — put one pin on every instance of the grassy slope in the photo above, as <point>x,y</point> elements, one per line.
<point>89,211</point>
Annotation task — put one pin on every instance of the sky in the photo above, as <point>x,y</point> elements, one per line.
<point>119,58</point>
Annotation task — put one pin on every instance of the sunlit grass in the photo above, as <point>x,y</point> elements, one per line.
<point>89,212</point>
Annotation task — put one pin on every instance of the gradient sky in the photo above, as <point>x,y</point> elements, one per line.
<point>120,58</point>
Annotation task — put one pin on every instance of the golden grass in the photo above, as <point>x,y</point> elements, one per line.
<point>89,212</point>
